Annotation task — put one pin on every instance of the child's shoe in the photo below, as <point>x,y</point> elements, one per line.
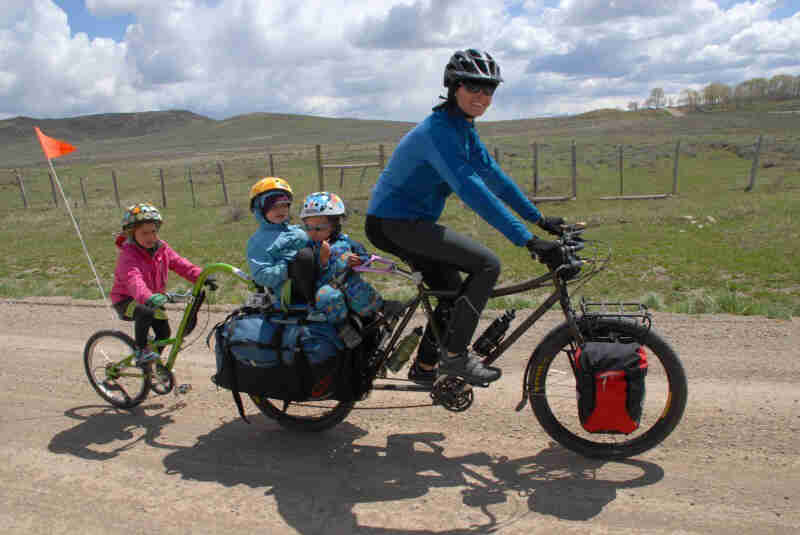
<point>143,356</point>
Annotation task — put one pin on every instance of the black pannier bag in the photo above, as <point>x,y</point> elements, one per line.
<point>273,356</point>
<point>611,386</point>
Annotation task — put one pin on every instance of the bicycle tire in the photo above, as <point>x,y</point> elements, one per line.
<point>307,416</point>
<point>552,390</point>
<point>113,381</point>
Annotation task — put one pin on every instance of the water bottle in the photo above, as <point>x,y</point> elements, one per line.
<point>488,341</point>
<point>404,350</point>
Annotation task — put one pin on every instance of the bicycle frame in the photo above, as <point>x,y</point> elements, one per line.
<point>424,295</point>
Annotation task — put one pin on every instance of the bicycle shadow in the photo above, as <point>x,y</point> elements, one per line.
<point>107,425</point>
<point>319,479</point>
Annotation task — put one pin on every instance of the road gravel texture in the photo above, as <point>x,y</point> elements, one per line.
<point>70,463</point>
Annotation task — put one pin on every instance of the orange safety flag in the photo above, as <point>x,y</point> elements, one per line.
<point>53,148</point>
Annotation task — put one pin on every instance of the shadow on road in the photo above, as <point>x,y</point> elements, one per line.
<point>318,479</point>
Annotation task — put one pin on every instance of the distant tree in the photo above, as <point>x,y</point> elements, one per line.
<point>656,98</point>
<point>716,93</point>
<point>781,86</point>
<point>633,105</point>
<point>690,98</point>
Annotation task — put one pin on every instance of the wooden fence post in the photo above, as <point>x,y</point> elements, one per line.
<point>53,187</point>
<point>341,177</point>
<point>163,188</point>
<point>619,160</point>
<point>497,155</point>
<point>221,172</point>
<point>319,169</point>
<point>535,166</point>
<point>754,168</point>
<point>574,171</point>
<point>675,168</point>
<point>83,191</point>
<point>381,157</point>
<point>271,165</point>
<point>116,188</point>
<point>21,188</point>
<point>191,187</point>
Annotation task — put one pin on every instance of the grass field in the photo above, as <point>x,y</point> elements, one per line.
<point>712,248</point>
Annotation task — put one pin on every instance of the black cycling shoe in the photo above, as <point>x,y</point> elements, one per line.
<point>418,375</point>
<point>470,368</point>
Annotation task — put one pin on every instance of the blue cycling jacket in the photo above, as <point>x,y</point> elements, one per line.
<point>441,155</point>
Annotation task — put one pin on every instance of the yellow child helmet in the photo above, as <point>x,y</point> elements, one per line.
<point>268,184</point>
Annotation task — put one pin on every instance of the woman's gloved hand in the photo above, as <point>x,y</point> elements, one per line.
<point>551,225</point>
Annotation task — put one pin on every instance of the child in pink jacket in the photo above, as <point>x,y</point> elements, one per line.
<point>140,278</point>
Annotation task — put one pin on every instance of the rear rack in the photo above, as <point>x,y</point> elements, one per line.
<point>631,311</point>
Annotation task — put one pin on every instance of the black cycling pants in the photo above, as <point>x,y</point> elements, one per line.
<point>441,255</point>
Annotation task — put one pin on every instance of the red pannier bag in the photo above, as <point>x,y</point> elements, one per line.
<point>611,386</point>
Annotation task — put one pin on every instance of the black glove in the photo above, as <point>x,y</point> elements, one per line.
<point>211,283</point>
<point>551,225</point>
<point>546,252</point>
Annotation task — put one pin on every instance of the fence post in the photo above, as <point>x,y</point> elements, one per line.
<point>675,168</point>
<point>574,171</point>
<point>341,177</point>
<point>535,166</point>
<point>271,165</point>
<point>116,189</point>
<point>221,172</point>
<point>619,160</point>
<point>163,188</point>
<point>53,187</point>
<point>83,191</point>
<point>319,169</point>
<point>754,168</point>
<point>381,157</point>
<point>191,186</point>
<point>21,188</point>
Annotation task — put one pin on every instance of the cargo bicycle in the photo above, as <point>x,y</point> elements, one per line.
<point>549,380</point>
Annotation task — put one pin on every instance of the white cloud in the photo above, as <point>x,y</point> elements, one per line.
<point>379,59</point>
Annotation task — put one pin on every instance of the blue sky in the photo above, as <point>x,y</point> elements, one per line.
<point>377,59</point>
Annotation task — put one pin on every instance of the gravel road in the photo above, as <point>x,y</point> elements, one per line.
<point>69,463</point>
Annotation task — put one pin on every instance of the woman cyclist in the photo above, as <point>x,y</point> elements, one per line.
<point>444,155</point>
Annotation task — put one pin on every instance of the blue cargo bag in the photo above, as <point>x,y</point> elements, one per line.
<point>270,355</point>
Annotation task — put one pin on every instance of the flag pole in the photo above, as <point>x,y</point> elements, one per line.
<point>78,230</point>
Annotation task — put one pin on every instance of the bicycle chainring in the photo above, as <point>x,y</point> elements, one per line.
<point>453,393</point>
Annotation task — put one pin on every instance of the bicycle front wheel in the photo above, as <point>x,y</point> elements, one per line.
<point>552,390</point>
<point>304,415</point>
<point>109,362</point>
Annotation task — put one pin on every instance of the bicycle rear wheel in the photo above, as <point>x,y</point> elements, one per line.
<point>552,390</point>
<point>109,362</point>
<point>304,415</point>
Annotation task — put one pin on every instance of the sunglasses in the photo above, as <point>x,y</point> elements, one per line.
<point>473,88</point>
<point>316,228</point>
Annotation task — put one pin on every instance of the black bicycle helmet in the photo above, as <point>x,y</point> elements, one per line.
<point>472,65</point>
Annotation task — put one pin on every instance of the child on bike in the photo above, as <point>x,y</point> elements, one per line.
<point>322,215</point>
<point>140,277</point>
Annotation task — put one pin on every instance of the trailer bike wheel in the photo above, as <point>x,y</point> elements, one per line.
<point>109,362</point>
<point>304,415</point>
<point>552,390</point>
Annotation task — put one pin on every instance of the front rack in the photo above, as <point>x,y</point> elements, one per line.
<point>630,311</point>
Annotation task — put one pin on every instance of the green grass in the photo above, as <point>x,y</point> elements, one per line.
<point>711,249</point>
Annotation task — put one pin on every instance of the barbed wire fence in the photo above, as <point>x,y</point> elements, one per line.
<point>559,171</point>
